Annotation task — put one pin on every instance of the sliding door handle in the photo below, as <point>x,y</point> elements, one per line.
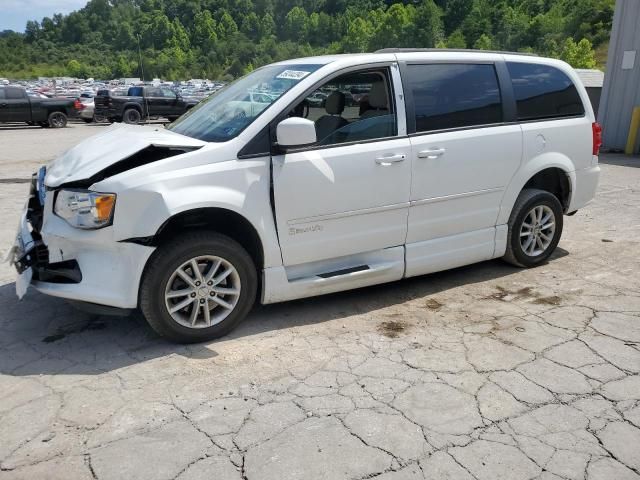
<point>388,160</point>
<point>432,153</point>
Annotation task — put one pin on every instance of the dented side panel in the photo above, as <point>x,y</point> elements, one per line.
<point>151,194</point>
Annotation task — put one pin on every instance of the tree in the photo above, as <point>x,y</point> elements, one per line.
<point>483,43</point>
<point>358,35</point>
<point>395,29</point>
<point>76,69</point>
<point>267,25</point>
<point>204,31</point>
<point>226,26</point>
<point>295,24</point>
<point>455,13</point>
<point>477,22</point>
<point>179,37</point>
<point>250,26</point>
<point>428,25</point>
<point>580,55</point>
<point>32,31</point>
<point>456,40</point>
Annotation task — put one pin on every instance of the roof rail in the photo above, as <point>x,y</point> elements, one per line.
<point>463,50</point>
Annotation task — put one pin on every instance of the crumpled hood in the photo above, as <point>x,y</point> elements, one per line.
<point>116,143</point>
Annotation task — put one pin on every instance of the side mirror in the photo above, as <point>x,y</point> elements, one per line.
<point>295,132</point>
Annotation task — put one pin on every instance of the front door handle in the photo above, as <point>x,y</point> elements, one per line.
<point>389,159</point>
<point>433,153</point>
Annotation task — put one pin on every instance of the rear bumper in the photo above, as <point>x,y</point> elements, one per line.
<point>86,113</point>
<point>585,186</point>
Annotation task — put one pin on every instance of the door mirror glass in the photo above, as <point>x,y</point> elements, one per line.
<point>296,132</point>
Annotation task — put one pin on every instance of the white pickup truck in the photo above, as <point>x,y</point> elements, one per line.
<point>448,158</point>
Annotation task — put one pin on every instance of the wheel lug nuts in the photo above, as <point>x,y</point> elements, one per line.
<point>197,284</point>
<point>213,294</point>
<point>209,283</point>
<point>193,294</point>
<point>202,300</point>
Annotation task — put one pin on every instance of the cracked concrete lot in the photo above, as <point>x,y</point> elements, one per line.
<point>486,372</point>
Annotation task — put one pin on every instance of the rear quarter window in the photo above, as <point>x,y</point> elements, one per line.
<point>449,96</point>
<point>135,92</point>
<point>543,92</point>
<point>14,93</point>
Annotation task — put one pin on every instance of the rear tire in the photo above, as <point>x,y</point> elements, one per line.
<point>131,116</point>
<point>164,287</point>
<point>57,120</point>
<point>535,227</point>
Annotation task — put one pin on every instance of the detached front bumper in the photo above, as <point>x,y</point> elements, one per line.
<point>83,265</point>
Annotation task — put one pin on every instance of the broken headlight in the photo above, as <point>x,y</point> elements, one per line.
<point>85,209</point>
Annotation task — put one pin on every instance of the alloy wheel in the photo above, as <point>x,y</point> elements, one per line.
<point>57,120</point>
<point>537,230</point>
<point>202,291</point>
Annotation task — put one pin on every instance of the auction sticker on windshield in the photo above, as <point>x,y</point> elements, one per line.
<point>293,74</point>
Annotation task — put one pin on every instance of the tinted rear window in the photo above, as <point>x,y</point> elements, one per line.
<point>454,95</point>
<point>1,93</point>
<point>542,92</point>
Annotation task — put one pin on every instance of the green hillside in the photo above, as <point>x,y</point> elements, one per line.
<point>226,38</point>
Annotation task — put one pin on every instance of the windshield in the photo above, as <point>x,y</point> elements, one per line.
<point>226,113</point>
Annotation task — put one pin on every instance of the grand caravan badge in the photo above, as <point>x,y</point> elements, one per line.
<point>309,229</point>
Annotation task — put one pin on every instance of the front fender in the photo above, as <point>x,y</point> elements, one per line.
<point>526,172</point>
<point>238,186</point>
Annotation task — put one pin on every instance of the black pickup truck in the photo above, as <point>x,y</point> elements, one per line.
<point>141,102</point>
<point>17,106</point>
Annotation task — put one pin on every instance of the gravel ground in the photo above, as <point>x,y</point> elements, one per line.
<point>484,372</point>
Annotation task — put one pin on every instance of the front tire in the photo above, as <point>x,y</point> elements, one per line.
<point>535,227</point>
<point>198,287</point>
<point>57,120</point>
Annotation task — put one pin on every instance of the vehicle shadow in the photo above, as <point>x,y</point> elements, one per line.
<point>45,335</point>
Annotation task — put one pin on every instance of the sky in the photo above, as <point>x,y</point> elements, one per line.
<point>15,13</point>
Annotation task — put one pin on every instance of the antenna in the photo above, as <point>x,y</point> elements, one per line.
<point>144,97</point>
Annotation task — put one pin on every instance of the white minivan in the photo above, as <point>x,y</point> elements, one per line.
<point>446,158</point>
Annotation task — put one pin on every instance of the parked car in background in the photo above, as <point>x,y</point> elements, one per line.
<point>87,113</point>
<point>248,106</point>
<point>17,106</point>
<point>317,99</point>
<point>141,103</point>
<point>456,158</point>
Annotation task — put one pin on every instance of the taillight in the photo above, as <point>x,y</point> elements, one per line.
<point>78,105</point>
<point>597,137</point>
